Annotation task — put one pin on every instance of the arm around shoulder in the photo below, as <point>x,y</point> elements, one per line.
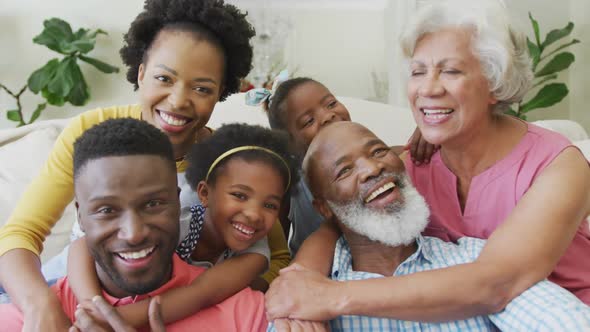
<point>513,259</point>
<point>279,253</point>
<point>317,251</point>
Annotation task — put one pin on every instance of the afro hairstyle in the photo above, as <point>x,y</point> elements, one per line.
<point>203,154</point>
<point>276,108</point>
<point>121,137</point>
<point>222,24</point>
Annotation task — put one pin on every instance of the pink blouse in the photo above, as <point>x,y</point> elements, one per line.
<point>492,196</point>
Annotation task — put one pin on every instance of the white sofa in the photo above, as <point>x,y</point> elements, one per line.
<point>23,150</point>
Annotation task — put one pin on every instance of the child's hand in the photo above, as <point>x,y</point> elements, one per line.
<point>294,325</point>
<point>420,149</point>
<point>92,311</point>
<point>85,321</point>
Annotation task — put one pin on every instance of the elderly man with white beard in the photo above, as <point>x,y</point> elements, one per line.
<point>360,184</point>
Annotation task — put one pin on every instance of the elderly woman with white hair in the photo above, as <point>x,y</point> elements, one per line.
<point>523,188</point>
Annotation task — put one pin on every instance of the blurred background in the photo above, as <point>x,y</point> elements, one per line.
<point>350,45</point>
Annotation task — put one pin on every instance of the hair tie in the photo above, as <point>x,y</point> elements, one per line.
<point>258,96</point>
<point>245,148</point>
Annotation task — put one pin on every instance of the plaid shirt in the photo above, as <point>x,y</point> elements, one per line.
<point>543,307</point>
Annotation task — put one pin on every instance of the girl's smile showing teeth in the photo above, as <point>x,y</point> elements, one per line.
<point>245,230</point>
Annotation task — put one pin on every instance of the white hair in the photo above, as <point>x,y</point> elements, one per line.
<point>398,224</point>
<point>501,49</point>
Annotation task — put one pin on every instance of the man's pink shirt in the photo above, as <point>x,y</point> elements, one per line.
<point>492,196</point>
<point>241,312</point>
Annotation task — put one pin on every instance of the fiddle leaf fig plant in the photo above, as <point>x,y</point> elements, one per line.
<point>60,80</point>
<point>546,66</point>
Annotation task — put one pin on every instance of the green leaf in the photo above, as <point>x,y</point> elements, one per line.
<point>560,62</point>
<point>56,35</point>
<point>97,32</point>
<point>84,40</point>
<point>566,45</point>
<point>534,52</point>
<point>104,67</point>
<point>557,34</point>
<point>80,93</point>
<point>41,77</point>
<point>536,30</point>
<point>63,81</point>
<point>52,98</point>
<point>80,33</point>
<point>13,115</point>
<point>544,80</point>
<point>83,45</point>
<point>549,95</point>
<point>37,112</point>
<point>62,26</point>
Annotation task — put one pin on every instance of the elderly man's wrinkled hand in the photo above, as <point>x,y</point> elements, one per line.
<point>114,322</point>
<point>295,325</point>
<point>299,293</point>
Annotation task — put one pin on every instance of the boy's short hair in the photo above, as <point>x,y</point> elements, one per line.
<point>121,137</point>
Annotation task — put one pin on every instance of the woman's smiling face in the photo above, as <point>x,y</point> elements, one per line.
<point>447,89</point>
<point>180,82</point>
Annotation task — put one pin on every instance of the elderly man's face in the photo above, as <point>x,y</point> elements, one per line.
<point>354,164</point>
<point>128,206</point>
<point>363,183</point>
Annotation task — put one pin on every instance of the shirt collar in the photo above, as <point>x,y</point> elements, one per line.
<point>342,265</point>
<point>424,251</point>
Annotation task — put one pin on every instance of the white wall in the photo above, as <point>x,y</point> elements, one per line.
<point>579,82</point>
<point>340,48</point>
<point>339,42</point>
<point>22,20</point>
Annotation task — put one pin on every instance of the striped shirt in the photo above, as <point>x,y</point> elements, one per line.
<point>543,307</point>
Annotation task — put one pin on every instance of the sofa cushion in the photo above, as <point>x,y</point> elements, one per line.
<point>393,124</point>
<point>22,154</point>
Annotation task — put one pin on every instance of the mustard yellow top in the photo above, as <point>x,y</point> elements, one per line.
<point>44,201</point>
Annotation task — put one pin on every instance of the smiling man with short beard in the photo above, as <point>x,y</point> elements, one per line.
<point>127,203</point>
<point>360,184</point>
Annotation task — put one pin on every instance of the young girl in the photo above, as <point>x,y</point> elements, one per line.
<point>241,174</point>
<point>302,106</point>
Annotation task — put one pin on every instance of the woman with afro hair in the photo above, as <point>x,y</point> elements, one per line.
<point>183,56</point>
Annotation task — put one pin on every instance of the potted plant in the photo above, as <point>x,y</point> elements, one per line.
<point>552,62</point>
<point>60,80</point>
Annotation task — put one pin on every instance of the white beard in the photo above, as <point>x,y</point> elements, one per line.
<point>398,224</point>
